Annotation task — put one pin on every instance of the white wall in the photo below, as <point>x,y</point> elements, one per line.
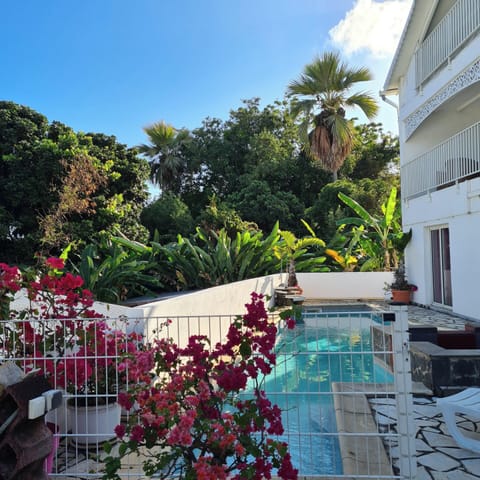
<point>230,299</point>
<point>222,300</point>
<point>344,285</point>
<point>457,208</point>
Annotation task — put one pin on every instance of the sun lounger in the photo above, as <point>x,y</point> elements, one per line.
<point>468,403</point>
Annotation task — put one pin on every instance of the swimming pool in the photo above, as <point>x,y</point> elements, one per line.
<point>326,348</point>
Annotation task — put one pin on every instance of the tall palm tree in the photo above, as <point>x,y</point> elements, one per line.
<point>165,152</point>
<point>321,96</point>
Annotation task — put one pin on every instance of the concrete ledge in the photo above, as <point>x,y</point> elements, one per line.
<point>362,454</point>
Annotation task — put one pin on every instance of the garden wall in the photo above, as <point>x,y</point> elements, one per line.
<point>344,285</point>
<point>230,299</point>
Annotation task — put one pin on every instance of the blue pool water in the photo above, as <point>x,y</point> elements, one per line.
<point>309,359</point>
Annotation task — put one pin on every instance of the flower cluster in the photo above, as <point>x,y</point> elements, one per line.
<point>10,283</point>
<point>206,415</point>
<point>58,331</point>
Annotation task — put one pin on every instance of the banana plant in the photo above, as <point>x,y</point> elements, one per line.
<point>379,238</point>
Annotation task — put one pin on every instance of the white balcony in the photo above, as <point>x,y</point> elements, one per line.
<point>460,24</point>
<point>455,160</point>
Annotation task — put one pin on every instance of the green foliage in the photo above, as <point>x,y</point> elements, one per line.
<point>119,268</point>
<point>328,209</point>
<point>320,98</point>
<point>294,248</point>
<point>170,216</point>
<point>211,258</point>
<point>40,164</point>
<point>257,202</point>
<point>218,215</point>
<point>374,153</point>
<point>379,238</point>
<point>120,272</point>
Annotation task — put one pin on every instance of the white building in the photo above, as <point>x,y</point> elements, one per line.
<point>436,75</point>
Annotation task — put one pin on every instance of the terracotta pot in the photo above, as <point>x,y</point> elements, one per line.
<point>401,296</point>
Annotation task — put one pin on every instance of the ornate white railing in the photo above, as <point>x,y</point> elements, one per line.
<point>454,160</point>
<point>460,23</point>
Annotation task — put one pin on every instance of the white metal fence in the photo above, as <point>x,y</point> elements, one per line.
<point>454,160</point>
<point>460,23</point>
<point>329,371</point>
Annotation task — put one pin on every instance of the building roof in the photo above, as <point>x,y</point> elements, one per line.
<point>414,31</point>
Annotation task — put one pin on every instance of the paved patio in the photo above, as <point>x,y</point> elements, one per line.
<point>438,456</point>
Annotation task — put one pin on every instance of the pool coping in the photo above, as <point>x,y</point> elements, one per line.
<point>361,452</point>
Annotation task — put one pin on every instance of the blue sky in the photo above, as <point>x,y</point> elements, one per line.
<point>114,66</point>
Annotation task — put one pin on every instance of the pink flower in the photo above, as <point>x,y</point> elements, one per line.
<point>190,421</point>
<point>120,431</point>
<point>55,263</point>
<point>137,433</point>
<point>290,323</point>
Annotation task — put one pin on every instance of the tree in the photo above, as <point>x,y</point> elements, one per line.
<point>321,96</point>
<point>165,152</point>
<point>170,216</point>
<point>258,203</point>
<point>374,154</point>
<point>218,215</point>
<point>292,248</point>
<point>42,166</point>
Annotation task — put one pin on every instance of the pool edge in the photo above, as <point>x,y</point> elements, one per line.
<point>361,454</point>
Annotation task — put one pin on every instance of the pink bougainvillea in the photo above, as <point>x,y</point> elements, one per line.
<point>192,421</point>
<point>59,332</point>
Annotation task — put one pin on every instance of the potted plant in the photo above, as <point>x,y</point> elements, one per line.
<point>89,373</point>
<point>400,288</point>
<point>200,409</point>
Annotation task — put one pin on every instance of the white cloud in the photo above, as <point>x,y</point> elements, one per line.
<point>371,26</point>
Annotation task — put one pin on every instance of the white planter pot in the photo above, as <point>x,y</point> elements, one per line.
<point>91,425</point>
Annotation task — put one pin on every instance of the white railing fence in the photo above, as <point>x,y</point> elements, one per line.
<point>454,160</point>
<point>460,23</point>
<point>329,369</point>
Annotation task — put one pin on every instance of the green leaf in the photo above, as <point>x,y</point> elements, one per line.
<point>245,349</point>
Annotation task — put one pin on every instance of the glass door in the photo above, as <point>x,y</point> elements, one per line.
<point>441,267</point>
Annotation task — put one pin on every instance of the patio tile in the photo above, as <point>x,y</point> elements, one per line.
<point>439,440</point>
<point>472,466</point>
<point>429,411</point>
<point>422,446</point>
<point>454,475</point>
<point>459,453</point>
<point>438,461</point>
<point>423,474</point>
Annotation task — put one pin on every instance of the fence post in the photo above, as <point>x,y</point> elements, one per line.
<point>404,397</point>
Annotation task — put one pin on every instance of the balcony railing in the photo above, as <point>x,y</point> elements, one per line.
<point>455,160</point>
<point>460,23</point>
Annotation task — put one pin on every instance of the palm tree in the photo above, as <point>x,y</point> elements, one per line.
<point>165,152</point>
<point>321,95</point>
<point>294,247</point>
